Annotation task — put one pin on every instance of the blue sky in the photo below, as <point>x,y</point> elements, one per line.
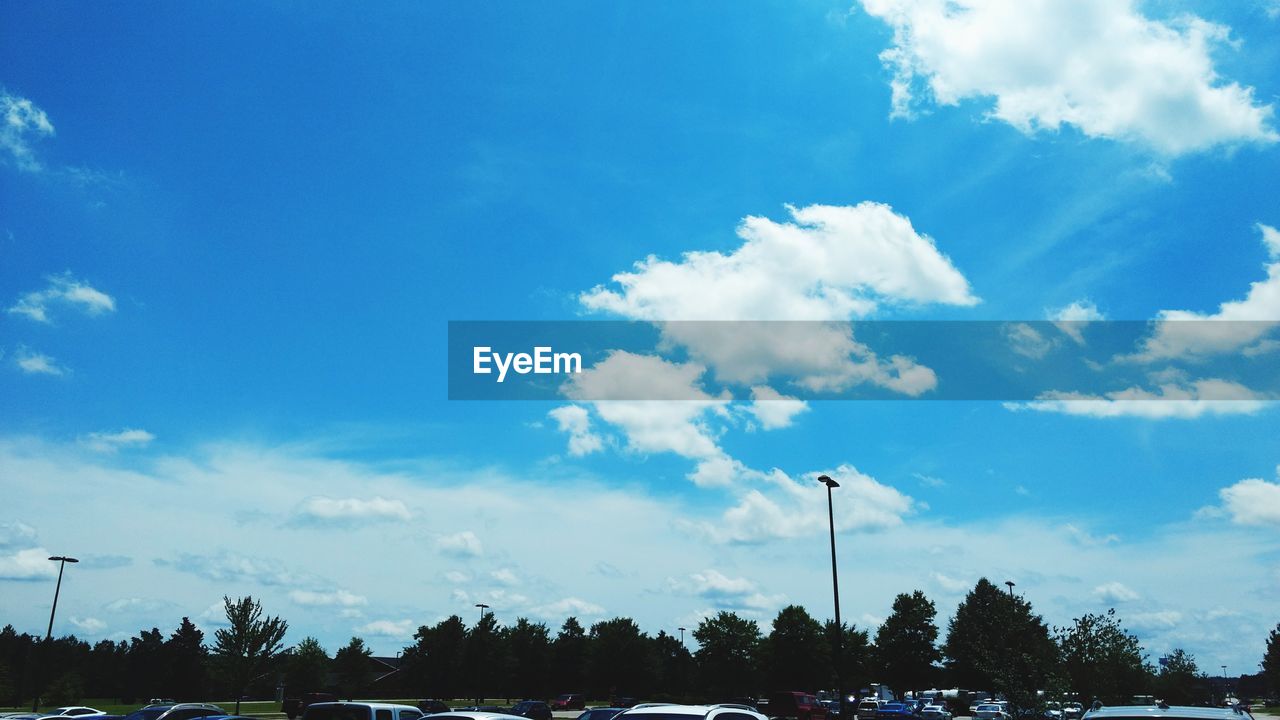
<point>231,240</point>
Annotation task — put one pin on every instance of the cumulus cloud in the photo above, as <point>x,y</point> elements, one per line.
<point>88,625</point>
<point>1072,319</point>
<point>35,363</point>
<point>772,409</point>
<point>1097,65</point>
<point>464,544</point>
<point>949,584</point>
<point>727,593</point>
<point>1181,401</point>
<point>576,421</point>
<point>1114,592</point>
<point>23,124</point>
<point>1027,341</point>
<point>396,629</point>
<point>1253,502</point>
<point>112,442</point>
<point>227,566</point>
<point>63,291</point>
<point>27,564</point>
<point>830,263</point>
<point>17,534</point>
<point>346,510</point>
<point>335,598</point>
<point>793,509</point>
<point>570,606</point>
<point>1237,326</point>
<point>504,576</point>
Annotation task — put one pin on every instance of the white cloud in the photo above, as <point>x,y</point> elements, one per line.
<point>1182,401</point>
<point>949,584</point>
<point>1238,325</point>
<point>112,442</point>
<point>63,291</point>
<point>461,545</point>
<point>1074,318</point>
<point>1097,65</point>
<point>772,409</point>
<point>1027,341</point>
<point>1114,592</point>
<point>1156,620</point>
<point>725,592</point>
<point>831,263</point>
<point>457,576</point>
<point>88,625</point>
<point>1253,502</point>
<point>335,598</point>
<point>799,510</point>
<point>504,576</point>
<point>27,564</point>
<point>396,629</point>
<point>326,509</point>
<point>22,123</point>
<point>566,607</point>
<point>225,566</point>
<point>575,420</point>
<point>17,534</point>
<point>34,363</point>
<point>1087,539</point>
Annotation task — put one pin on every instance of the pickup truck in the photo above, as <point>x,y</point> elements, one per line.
<point>797,705</point>
<point>293,707</point>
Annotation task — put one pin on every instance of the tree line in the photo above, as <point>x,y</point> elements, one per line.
<point>995,643</point>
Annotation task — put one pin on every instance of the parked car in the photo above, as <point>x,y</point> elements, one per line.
<point>432,706</point>
<point>533,709</point>
<point>605,713</point>
<point>934,712</point>
<point>150,712</point>
<point>569,701</point>
<point>893,711</point>
<point>671,711</point>
<point>990,711</point>
<point>360,711</point>
<point>1072,711</point>
<point>293,707</point>
<point>75,710</point>
<point>1165,712</point>
<point>187,711</point>
<point>798,705</point>
<point>464,714</point>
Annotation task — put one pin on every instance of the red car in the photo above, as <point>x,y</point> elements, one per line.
<point>570,701</point>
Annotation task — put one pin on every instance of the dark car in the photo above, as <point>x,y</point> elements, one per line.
<point>432,706</point>
<point>799,705</point>
<point>533,709</point>
<point>893,711</point>
<point>570,701</point>
<point>150,712</point>
<point>606,713</point>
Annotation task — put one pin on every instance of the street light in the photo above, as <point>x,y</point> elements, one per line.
<point>681,636</point>
<point>1010,583</point>
<point>48,637</point>
<point>835,587</point>
<point>482,607</point>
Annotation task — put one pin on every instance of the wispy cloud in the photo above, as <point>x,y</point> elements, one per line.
<point>63,291</point>
<point>351,510</point>
<point>22,124</point>
<point>37,363</point>
<point>110,442</point>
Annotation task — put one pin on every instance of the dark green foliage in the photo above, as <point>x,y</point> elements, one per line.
<point>351,665</point>
<point>727,657</point>
<point>1101,660</point>
<point>796,654</point>
<point>905,646</point>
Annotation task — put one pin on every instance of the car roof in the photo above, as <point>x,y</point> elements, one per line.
<point>1168,711</point>
<point>673,709</point>
<point>374,705</point>
<point>482,715</point>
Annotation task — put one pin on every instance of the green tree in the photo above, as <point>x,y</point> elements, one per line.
<point>351,664</point>
<point>245,648</point>
<point>905,646</point>
<point>1271,660</point>
<point>854,656</point>
<point>146,664</point>
<point>619,660</point>
<point>480,657</point>
<point>995,641</point>
<point>186,656</point>
<point>434,662</point>
<point>1101,660</point>
<point>528,648</point>
<point>674,668</point>
<point>1179,679</point>
<point>796,654</point>
<point>569,655</point>
<point>306,667</point>
<point>728,653</point>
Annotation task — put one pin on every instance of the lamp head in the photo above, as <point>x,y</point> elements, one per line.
<point>826,480</point>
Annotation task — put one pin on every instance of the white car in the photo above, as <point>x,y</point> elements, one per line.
<point>990,711</point>
<point>935,712</point>
<point>371,711</point>
<point>665,711</point>
<point>76,710</point>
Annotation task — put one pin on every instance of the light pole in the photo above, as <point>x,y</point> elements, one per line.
<point>1010,583</point>
<point>482,607</point>
<point>681,636</point>
<point>62,561</point>
<point>835,589</point>
<point>1226,691</point>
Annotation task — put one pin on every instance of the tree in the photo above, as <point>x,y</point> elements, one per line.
<point>996,642</point>
<point>796,654</point>
<point>569,655</point>
<point>674,668</point>
<point>854,652</point>
<point>146,664</point>
<point>727,656</point>
<point>1271,660</point>
<point>185,657</point>
<point>1179,679</point>
<point>619,659</point>
<point>306,667</point>
<point>434,662</point>
<point>528,648</point>
<point>480,656</point>
<point>1101,660</point>
<point>905,648</point>
<point>248,644</point>
<point>351,664</point>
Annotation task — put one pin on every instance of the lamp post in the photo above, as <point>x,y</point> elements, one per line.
<point>1010,583</point>
<point>482,607</point>
<point>62,561</point>
<point>681,636</point>
<point>835,589</point>
<point>1226,689</point>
